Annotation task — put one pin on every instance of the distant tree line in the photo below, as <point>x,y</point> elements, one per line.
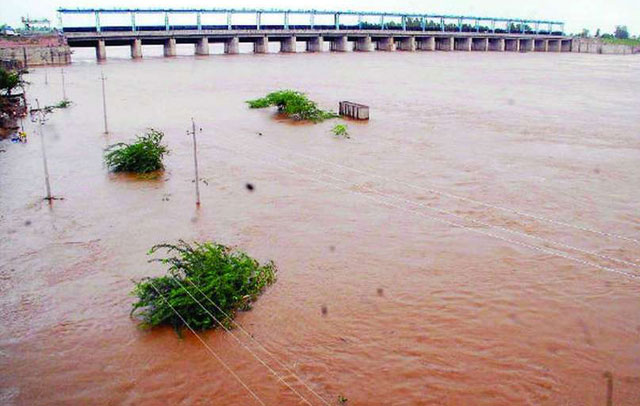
<point>621,32</point>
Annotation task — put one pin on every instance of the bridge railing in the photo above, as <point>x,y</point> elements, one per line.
<point>386,21</point>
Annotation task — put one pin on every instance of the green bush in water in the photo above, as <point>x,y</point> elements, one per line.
<point>142,156</point>
<point>63,104</point>
<point>200,273</point>
<point>294,104</point>
<point>340,130</point>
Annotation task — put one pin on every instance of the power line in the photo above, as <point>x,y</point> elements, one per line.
<point>260,345</point>
<point>557,253</point>
<point>241,343</point>
<point>453,196</point>
<point>508,230</point>
<point>209,348</point>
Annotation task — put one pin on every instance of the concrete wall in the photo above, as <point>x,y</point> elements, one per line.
<point>35,51</point>
<point>597,46</point>
<point>37,56</point>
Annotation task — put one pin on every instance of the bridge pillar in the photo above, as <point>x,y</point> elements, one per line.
<point>408,44</point>
<point>387,44</point>
<point>339,44</point>
<point>363,44</point>
<point>427,44</point>
<point>512,45</point>
<point>315,44</point>
<point>444,43</point>
<point>554,45</point>
<point>232,46</point>
<point>527,45</point>
<point>288,45</point>
<point>497,44</point>
<point>479,44</point>
<point>486,44</point>
<point>136,49</point>
<point>202,46</point>
<point>101,50</point>
<point>261,46</point>
<point>462,44</point>
<point>170,47</point>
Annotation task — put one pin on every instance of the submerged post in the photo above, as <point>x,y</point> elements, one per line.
<point>41,120</point>
<point>64,90</point>
<point>195,161</point>
<point>104,104</point>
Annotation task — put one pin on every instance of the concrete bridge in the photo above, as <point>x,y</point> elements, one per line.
<point>389,32</point>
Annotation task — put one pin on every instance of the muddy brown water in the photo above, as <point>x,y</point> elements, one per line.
<point>425,303</point>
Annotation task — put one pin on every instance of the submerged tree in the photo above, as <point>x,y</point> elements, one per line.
<point>294,104</point>
<point>206,284</point>
<point>144,155</point>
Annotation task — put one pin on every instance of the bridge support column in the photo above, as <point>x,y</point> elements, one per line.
<point>170,47</point>
<point>202,46</point>
<point>427,44</point>
<point>288,45</point>
<point>261,46</point>
<point>232,46</point>
<point>101,50</point>
<point>462,44</point>
<point>408,44</point>
<point>497,44</point>
<point>479,44</point>
<point>315,44</point>
<point>339,44</point>
<point>512,45</point>
<point>531,45</point>
<point>136,49</point>
<point>386,44</point>
<point>363,44</point>
<point>527,45</point>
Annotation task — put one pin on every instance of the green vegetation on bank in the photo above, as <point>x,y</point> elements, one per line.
<point>293,104</point>
<point>144,155</point>
<point>634,42</point>
<point>204,283</point>
<point>9,80</point>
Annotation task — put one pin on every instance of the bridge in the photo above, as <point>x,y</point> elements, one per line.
<point>368,31</point>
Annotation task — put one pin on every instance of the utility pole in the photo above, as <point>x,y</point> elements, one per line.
<point>195,160</point>
<point>64,91</point>
<point>104,104</point>
<point>41,119</point>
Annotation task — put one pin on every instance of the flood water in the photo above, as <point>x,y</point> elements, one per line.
<point>475,243</point>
